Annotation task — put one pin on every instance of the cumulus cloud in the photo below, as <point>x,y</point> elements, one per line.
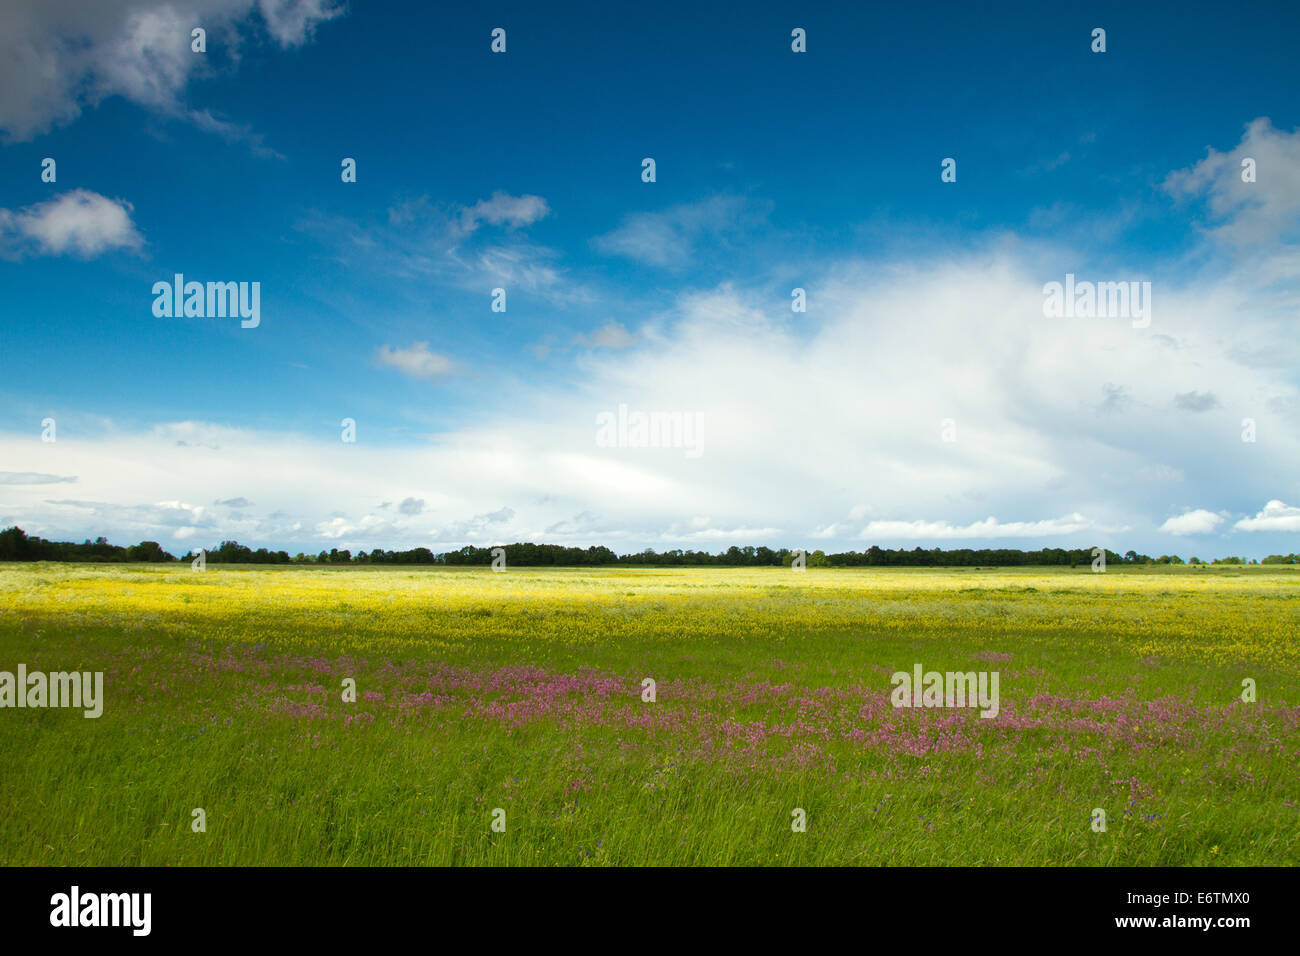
<point>504,209</point>
<point>1199,521</point>
<point>58,57</point>
<point>411,506</point>
<point>341,528</point>
<point>415,361</point>
<point>79,222</point>
<point>1247,213</point>
<point>853,409</point>
<point>829,427</point>
<point>1276,516</point>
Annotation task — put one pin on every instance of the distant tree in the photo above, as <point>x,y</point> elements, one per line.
<point>147,551</point>
<point>14,545</point>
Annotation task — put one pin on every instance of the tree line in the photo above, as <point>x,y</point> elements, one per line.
<point>16,545</point>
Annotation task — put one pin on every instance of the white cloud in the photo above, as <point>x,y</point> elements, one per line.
<point>518,266</point>
<point>1276,516</point>
<point>80,222</point>
<point>726,534</point>
<point>369,527</point>
<point>611,335</point>
<point>415,360</point>
<point>669,238</point>
<point>1196,401</point>
<point>292,22</point>
<point>475,528</point>
<point>33,478</point>
<point>808,419</point>
<point>1243,213</point>
<point>153,517</point>
<point>1161,473</point>
<point>504,209</point>
<point>235,132</point>
<point>422,239</point>
<point>990,528</point>
<point>1199,521</point>
<point>804,424</point>
<point>58,57</point>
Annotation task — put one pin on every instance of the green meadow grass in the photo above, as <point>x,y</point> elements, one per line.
<point>223,692</point>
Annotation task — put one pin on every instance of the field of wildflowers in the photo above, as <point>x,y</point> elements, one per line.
<point>523,692</point>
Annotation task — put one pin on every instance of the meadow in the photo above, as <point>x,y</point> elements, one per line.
<point>523,692</point>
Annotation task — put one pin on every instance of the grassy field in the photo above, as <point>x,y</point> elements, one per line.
<point>523,691</point>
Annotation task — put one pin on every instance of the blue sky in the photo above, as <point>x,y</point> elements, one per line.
<point>775,170</point>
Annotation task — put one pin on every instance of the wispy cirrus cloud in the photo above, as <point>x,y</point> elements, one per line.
<point>158,518</point>
<point>989,528</point>
<point>670,237</point>
<point>477,246</point>
<point>33,478</point>
<point>611,335</point>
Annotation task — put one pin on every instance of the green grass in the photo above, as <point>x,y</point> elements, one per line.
<point>1118,691</point>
